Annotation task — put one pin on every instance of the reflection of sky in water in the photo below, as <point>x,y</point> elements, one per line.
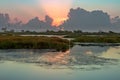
<point>20,71</point>
<point>93,49</point>
<point>112,52</point>
<point>78,55</point>
<point>82,63</point>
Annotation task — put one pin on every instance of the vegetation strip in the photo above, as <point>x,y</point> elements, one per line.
<point>33,42</point>
<point>97,39</point>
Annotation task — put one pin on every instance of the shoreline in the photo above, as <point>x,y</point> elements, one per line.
<point>97,44</point>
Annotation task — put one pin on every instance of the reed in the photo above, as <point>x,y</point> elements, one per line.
<point>35,42</point>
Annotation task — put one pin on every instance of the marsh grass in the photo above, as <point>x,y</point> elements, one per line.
<point>98,39</point>
<point>33,42</point>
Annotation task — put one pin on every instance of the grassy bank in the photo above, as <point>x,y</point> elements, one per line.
<point>26,42</point>
<point>98,39</point>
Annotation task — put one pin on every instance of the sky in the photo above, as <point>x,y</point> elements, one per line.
<point>56,9</point>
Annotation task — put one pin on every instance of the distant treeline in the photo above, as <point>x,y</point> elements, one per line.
<point>26,42</point>
<point>60,32</point>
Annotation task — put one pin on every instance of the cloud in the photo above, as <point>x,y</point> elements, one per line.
<point>117,21</point>
<point>57,9</point>
<point>85,20</point>
<point>48,20</point>
<point>34,24</point>
<point>4,20</point>
<point>115,24</point>
<point>78,19</point>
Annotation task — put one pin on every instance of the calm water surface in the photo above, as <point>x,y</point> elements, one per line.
<point>78,63</point>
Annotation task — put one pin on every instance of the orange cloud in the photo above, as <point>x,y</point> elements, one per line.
<point>57,9</point>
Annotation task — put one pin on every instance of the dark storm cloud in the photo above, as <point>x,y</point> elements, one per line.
<point>85,20</point>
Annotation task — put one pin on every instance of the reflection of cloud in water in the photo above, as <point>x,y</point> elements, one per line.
<point>55,58</point>
<point>112,52</point>
<point>96,50</point>
<point>88,52</point>
<point>64,58</point>
<point>60,59</point>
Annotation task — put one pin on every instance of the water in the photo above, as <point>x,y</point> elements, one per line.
<point>78,63</point>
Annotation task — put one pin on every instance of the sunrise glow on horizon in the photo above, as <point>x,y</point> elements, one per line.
<point>56,9</point>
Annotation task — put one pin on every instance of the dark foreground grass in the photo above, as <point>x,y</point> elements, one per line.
<point>27,42</point>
